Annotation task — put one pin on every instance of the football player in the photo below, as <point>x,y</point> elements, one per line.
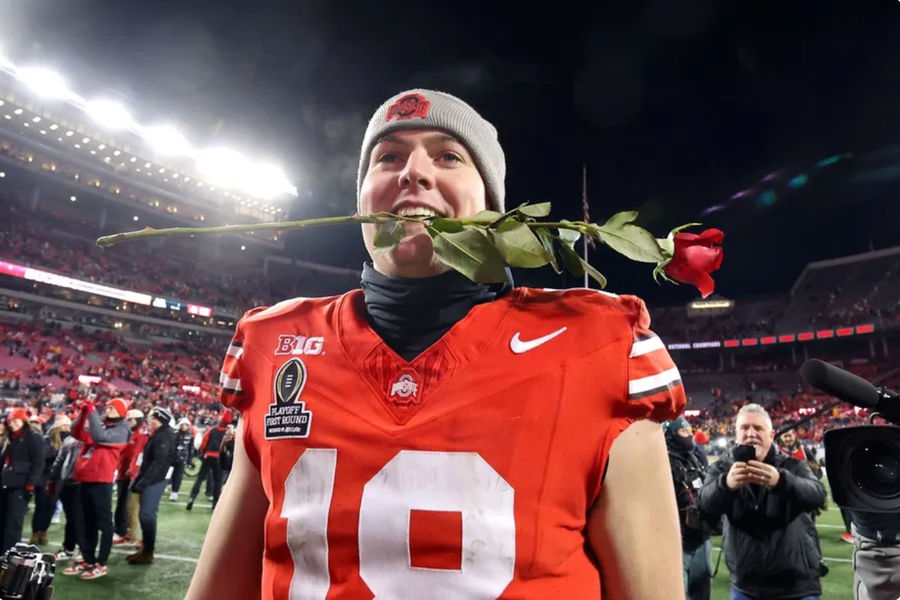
<point>431,437</point>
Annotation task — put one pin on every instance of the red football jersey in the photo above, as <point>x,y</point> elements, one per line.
<point>468,472</point>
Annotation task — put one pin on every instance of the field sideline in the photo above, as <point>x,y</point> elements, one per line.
<point>181,535</point>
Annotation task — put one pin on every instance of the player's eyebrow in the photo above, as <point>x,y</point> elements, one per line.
<point>437,136</point>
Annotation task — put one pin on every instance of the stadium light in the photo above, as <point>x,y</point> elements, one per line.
<point>109,114</point>
<point>222,166</point>
<point>167,141</point>
<point>267,182</point>
<point>45,83</point>
<point>6,64</point>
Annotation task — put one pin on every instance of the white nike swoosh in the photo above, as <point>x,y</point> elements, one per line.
<point>520,346</point>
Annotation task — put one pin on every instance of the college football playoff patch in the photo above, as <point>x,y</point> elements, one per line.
<point>288,417</point>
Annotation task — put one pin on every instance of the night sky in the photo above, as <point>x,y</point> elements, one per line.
<point>674,106</point>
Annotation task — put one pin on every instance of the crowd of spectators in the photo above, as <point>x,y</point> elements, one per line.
<point>787,403</point>
<point>175,273</point>
<point>48,367</point>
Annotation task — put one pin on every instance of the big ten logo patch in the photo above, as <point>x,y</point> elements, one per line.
<point>297,345</point>
<point>287,416</point>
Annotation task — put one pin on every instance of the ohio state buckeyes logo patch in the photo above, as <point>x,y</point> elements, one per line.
<point>405,389</point>
<point>288,417</point>
<point>410,106</point>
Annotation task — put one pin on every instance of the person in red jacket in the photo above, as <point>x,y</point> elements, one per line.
<point>126,517</point>
<point>95,470</point>
<point>210,449</point>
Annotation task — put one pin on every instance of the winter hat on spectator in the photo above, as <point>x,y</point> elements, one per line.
<point>671,427</point>
<point>430,109</point>
<point>161,414</point>
<point>184,421</point>
<point>226,417</point>
<point>134,414</point>
<point>18,413</point>
<point>61,421</point>
<point>120,405</point>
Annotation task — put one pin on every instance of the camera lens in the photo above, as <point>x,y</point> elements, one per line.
<point>875,469</point>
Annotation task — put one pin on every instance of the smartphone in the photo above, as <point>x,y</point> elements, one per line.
<point>743,453</point>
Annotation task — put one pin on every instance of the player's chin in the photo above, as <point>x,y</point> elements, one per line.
<point>413,256</point>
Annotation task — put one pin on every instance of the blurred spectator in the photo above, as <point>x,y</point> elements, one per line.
<point>790,445</point>
<point>210,449</point>
<point>45,500</point>
<point>95,470</point>
<point>125,520</point>
<point>226,456</point>
<point>769,548</point>
<point>151,481</point>
<point>689,467</point>
<point>184,453</point>
<point>23,462</point>
<point>62,484</point>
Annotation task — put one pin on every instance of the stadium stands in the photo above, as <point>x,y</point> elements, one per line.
<point>51,335</point>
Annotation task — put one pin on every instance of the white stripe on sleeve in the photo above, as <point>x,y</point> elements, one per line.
<point>235,351</point>
<point>230,383</point>
<point>651,382</point>
<point>646,346</point>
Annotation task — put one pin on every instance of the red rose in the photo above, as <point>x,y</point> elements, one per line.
<point>696,256</point>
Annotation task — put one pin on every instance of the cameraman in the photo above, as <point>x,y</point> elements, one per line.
<point>768,545</point>
<point>876,555</point>
<point>689,466</point>
<point>23,463</point>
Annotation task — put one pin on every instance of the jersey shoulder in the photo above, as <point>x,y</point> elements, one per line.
<point>287,309</point>
<point>589,303</point>
<point>307,316</point>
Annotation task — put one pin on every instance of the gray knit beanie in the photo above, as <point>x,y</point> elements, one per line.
<point>430,109</point>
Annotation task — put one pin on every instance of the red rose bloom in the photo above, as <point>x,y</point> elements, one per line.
<point>696,256</point>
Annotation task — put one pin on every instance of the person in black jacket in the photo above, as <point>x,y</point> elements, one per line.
<point>151,482</point>
<point>184,452</point>
<point>62,484</point>
<point>226,455</point>
<point>689,467</point>
<point>768,547</point>
<point>23,464</point>
<point>210,448</point>
<point>45,502</point>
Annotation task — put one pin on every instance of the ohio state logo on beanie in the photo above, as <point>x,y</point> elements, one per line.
<point>408,107</point>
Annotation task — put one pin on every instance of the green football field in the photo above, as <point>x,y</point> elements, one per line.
<point>181,535</point>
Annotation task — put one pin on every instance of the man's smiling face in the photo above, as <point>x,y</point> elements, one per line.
<point>418,172</point>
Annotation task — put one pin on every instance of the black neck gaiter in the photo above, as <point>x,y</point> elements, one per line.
<point>412,314</point>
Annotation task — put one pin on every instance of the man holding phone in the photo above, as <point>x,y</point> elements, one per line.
<point>766,497</point>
